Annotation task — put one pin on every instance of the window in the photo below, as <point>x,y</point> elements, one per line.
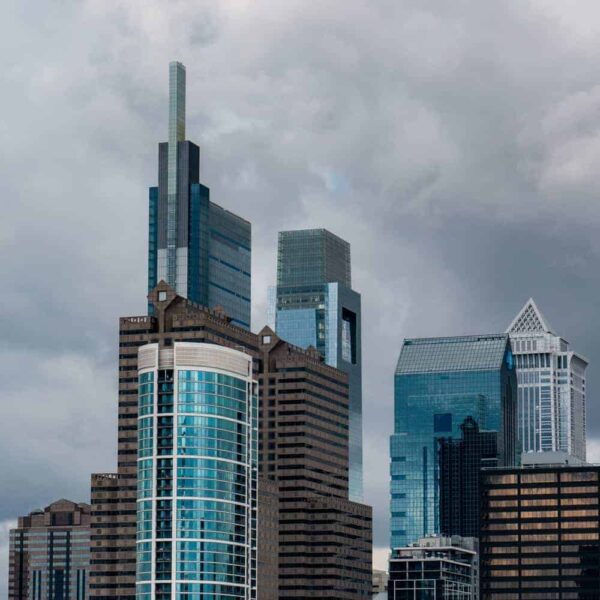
<point>162,296</point>
<point>442,423</point>
<point>266,339</point>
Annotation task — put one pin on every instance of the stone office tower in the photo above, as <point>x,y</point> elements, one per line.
<point>314,304</point>
<point>114,495</point>
<point>49,553</point>
<point>200,249</point>
<point>552,387</point>
<point>324,538</point>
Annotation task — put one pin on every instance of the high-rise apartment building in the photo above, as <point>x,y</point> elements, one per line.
<point>49,553</point>
<point>324,538</point>
<point>197,472</point>
<point>200,249</point>
<point>314,305</point>
<point>540,533</point>
<point>114,495</point>
<point>439,383</point>
<point>552,386</point>
<point>435,568</point>
<point>459,463</point>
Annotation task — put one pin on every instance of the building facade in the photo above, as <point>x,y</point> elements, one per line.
<point>114,495</point>
<point>540,533</point>
<point>314,305</point>
<point>435,568</point>
<point>552,386</point>
<point>268,539</point>
<point>460,461</point>
<point>440,382</point>
<point>325,540</point>
<point>197,473</point>
<point>200,249</point>
<point>49,554</point>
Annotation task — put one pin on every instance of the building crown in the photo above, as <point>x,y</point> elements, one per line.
<point>529,320</point>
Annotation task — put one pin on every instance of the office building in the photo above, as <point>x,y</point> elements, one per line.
<point>435,568</point>
<point>439,382</point>
<point>460,461</point>
<point>314,305</point>
<point>268,539</point>
<point>196,472</point>
<point>114,495</point>
<point>324,538</point>
<point>540,533</point>
<point>200,249</point>
<point>49,553</point>
<point>551,386</point>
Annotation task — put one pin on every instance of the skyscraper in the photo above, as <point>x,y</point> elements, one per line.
<point>114,495</point>
<point>324,545</point>
<point>49,554</point>
<point>439,383</point>
<point>551,384</point>
<point>197,470</point>
<point>314,304</point>
<point>200,249</point>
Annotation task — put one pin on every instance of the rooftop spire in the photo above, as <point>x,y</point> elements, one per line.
<point>529,320</point>
<point>176,102</point>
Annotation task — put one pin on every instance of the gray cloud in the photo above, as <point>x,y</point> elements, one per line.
<point>456,146</point>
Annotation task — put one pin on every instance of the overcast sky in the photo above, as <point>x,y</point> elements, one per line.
<point>455,145</point>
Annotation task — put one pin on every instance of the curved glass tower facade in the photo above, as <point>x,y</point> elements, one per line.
<point>197,470</point>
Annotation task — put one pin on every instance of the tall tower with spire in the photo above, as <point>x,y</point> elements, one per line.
<point>551,387</point>
<point>200,249</point>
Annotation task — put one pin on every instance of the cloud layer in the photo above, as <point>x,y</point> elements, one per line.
<point>455,146</point>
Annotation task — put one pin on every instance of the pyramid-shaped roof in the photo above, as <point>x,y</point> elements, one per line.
<point>529,320</point>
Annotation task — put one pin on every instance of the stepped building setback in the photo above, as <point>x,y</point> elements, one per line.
<point>322,540</point>
<point>114,495</point>
<point>200,249</point>
<point>314,305</point>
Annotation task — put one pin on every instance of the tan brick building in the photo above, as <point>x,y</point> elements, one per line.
<point>312,541</point>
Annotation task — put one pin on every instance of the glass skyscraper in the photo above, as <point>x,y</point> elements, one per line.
<point>196,473</point>
<point>440,382</point>
<point>314,304</point>
<point>551,380</point>
<point>200,249</point>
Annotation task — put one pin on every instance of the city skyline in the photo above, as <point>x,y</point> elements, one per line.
<point>450,238</point>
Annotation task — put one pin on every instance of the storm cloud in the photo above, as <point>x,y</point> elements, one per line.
<point>456,146</point>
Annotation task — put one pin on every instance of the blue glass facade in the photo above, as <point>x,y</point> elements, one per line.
<point>197,469</point>
<point>200,249</point>
<point>439,382</point>
<point>314,305</point>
